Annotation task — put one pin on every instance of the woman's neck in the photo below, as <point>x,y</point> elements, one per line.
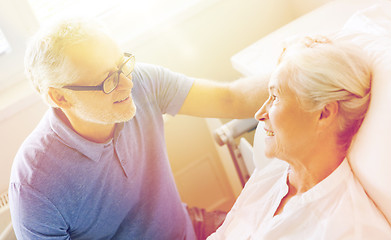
<point>305,174</point>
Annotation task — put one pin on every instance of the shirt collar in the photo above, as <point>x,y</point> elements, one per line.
<point>73,140</point>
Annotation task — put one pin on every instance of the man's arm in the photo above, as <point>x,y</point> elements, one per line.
<point>238,99</point>
<point>34,216</point>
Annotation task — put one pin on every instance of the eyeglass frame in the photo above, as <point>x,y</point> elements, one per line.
<point>130,58</point>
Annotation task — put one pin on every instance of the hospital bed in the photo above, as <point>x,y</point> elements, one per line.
<point>366,23</point>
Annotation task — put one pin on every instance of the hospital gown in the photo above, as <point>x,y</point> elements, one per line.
<point>335,208</point>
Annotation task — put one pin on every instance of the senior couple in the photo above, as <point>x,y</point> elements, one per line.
<point>96,166</point>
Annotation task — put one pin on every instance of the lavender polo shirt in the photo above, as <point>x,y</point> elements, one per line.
<point>66,187</point>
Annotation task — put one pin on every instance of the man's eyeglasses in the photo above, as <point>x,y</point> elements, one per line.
<point>111,81</point>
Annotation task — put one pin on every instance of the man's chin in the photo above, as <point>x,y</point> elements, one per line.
<point>127,116</point>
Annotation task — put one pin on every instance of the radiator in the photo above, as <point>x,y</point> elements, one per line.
<point>6,230</point>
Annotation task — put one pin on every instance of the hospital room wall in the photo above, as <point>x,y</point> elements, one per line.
<point>200,46</point>
<point>300,7</point>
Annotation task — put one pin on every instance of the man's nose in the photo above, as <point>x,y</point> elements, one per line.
<point>125,82</point>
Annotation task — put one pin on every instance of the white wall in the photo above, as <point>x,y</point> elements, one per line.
<point>200,46</point>
<point>300,7</point>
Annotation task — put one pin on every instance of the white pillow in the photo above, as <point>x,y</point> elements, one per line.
<point>370,154</point>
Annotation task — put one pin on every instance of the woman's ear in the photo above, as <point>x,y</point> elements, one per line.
<point>59,98</point>
<point>328,115</point>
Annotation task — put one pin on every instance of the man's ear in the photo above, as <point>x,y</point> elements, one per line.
<point>59,98</point>
<point>328,115</point>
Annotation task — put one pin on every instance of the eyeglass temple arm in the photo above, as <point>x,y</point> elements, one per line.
<point>84,88</point>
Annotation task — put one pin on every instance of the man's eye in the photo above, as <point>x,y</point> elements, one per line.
<point>273,97</point>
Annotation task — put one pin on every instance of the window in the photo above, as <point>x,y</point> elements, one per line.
<point>4,46</point>
<point>17,23</point>
<point>48,9</point>
<point>127,19</point>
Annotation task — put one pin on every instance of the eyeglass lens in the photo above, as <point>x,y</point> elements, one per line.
<point>112,82</point>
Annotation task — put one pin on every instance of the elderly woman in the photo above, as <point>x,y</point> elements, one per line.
<point>319,94</point>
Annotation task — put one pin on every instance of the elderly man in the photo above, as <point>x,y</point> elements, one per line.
<point>94,167</point>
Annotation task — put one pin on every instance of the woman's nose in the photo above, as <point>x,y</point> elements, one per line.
<point>261,114</point>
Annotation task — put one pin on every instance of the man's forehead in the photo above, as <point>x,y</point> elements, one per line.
<point>94,53</point>
<point>94,47</point>
<point>95,58</point>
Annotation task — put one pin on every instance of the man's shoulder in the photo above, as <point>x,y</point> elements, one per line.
<point>146,71</point>
<point>39,140</point>
<point>152,73</point>
<point>34,152</point>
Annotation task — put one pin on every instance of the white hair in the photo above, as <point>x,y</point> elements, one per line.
<point>322,71</point>
<point>46,64</point>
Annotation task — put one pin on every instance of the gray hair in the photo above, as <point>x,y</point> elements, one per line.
<point>322,71</point>
<point>46,65</point>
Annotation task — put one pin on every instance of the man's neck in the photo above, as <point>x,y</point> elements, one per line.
<point>91,131</point>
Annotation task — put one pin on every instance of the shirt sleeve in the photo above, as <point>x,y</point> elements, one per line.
<point>167,88</point>
<point>34,216</point>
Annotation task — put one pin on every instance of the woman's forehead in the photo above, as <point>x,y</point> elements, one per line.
<point>279,80</point>
<point>276,78</point>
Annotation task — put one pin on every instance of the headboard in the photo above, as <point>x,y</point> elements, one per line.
<point>366,23</point>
